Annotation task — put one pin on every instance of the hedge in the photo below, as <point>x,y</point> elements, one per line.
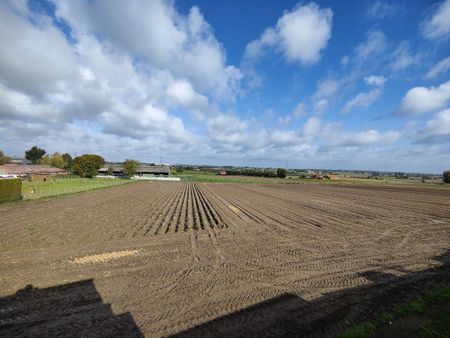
<point>10,190</point>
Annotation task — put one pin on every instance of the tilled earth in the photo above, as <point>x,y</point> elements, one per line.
<point>196,259</point>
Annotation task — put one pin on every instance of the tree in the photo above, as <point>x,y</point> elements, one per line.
<point>34,154</point>
<point>87,165</point>
<point>281,173</point>
<point>446,175</point>
<point>3,158</point>
<point>57,161</point>
<point>110,171</point>
<point>67,161</point>
<point>130,167</point>
<point>44,160</point>
<point>54,160</point>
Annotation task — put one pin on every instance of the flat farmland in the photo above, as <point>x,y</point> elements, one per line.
<point>218,259</point>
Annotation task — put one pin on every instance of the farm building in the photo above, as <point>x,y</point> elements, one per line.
<point>39,171</point>
<point>19,160</point>
<point>222,172</point>
<point>143,170</point>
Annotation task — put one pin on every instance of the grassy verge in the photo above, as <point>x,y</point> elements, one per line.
<point>425,317</point>
<point>64,186</point>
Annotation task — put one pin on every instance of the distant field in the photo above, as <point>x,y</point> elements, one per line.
<point>208,177</point>
<point>213,178</point>
<point>61,186</point>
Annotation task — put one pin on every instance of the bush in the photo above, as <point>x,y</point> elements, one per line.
<point>446,175</point>
<point>130,167</point>
<point>3,158</point>
<point>87,165</point>
<point>251,172</point>
<point>10,190</point>
<point>281,173</point>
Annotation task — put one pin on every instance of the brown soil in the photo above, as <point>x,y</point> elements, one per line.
<point>217,259</point>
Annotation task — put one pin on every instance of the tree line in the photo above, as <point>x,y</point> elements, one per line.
<point>280,172</point>
<point>87,165</point>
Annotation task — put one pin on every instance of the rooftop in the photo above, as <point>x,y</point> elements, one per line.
<point>38,169</point>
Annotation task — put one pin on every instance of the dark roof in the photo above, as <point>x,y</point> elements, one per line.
<point>153,169</point>
<point>38,169</point>
<point>19,160</point>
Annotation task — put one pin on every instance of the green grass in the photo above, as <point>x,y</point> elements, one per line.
<point>64,186</point>
<point>359,330</point>
<point>433,305</point>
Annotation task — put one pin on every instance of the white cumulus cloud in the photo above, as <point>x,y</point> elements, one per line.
<point>419,100</point>
<point>435,130</point>
<point>300,34</point>
<point>155,32</point>
<point>335,136</point>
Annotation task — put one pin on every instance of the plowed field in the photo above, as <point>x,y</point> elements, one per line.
<point>198,259</point>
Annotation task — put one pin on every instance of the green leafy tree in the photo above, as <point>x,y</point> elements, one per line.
<point>67,161</point>
<point>446,175</point>
<point>3,158</point>
<point>130,167</point>
<point>110,171</point>
<point>281,173</point>
<point>34,154</point>
<point>56,160</point>
<point>87,165</point>
<point>44,160</point>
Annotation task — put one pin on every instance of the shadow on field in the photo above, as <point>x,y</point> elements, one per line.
<point>289,315</point>
<point>69,310</point>
<point>77,309</point>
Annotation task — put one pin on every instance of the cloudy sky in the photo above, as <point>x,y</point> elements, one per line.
<point>326,84</point>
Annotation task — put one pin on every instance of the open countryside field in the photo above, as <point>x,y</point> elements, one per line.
<point>209,259</point>
<point>346,178</point>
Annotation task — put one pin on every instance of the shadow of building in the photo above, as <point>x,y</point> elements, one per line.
<point>69,310</point>
<point>289,315</point>
<point>77,309</point>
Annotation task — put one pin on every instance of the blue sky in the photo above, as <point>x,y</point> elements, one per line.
<point>325,84</point>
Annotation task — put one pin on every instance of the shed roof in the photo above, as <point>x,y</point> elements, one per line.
<point>38,169</point>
